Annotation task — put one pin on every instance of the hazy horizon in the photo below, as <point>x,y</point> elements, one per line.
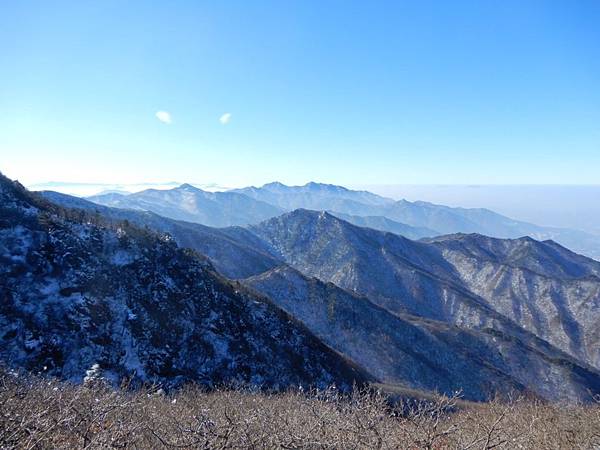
<point>564,206</point>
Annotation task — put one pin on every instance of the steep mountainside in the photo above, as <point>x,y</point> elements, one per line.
<point>77,291</point>
<point>546,288</point>
<point>217,209</point>
<point>235,252</point>
<point>423,354</point>
<point>434,311</point>
<point>423,279</point>
<point>400,274</point>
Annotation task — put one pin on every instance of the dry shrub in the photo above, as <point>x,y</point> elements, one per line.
<point>39,413</point>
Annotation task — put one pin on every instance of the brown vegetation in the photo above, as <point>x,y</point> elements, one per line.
<point>39,413</point>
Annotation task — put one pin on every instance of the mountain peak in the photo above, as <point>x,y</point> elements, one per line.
<point>314,186</point>
<point>274,184</point>
<point>187,187</point>
<point>311,186</point>
<point>309,213</point>
<point>6,183</point>
<point>14,194</point>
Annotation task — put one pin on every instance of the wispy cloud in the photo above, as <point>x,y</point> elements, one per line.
<point>225,118</point>
<point>164,117</point>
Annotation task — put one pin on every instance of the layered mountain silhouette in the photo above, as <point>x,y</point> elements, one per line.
<point>78,290</point>
<point>429,314</point>
<point>414,220</point>
<point>234,251</point>
<point>471,281</point>
<point>412,352</point>
<point>317,196</point>
<point>189,203</point>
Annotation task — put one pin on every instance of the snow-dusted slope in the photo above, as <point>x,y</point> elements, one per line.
<point>436,302</point>
<point>538,286</point>
<point>425,354</point>
<point>76,291</point>
<point>234,251</point>
<point>544,287</point>
<point>317,196</point>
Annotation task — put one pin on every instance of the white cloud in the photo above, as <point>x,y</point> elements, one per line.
<point>225,118</point>
<point>164,117</point>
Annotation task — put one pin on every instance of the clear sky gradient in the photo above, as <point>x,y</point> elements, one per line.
<point>240,92</point>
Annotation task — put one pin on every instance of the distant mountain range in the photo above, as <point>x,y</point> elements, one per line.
<point>218,209</point>
<point>564,206</point>
<point>457,312</point>
<point>415,220</point>
<point>87,189</point>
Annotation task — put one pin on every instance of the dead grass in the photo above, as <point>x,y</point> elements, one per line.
<point>38,413</point>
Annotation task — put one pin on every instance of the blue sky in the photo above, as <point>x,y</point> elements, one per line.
<point>336,91</point>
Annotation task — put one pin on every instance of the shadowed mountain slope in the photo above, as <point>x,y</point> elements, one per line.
<point>234,251</point>
<point>446,281</point>
<point>77,290</point>
<point>430,288</point>
<point>543,286</point>
<point>423,354</point>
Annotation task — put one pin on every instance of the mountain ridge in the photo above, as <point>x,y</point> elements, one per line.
<point>79,290</point>
<point>400,274</point>
<point>413,351</point>
<point>432,288</point>
<point>193,204</point>
<point>414,219</point>
<point>232,251</point>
